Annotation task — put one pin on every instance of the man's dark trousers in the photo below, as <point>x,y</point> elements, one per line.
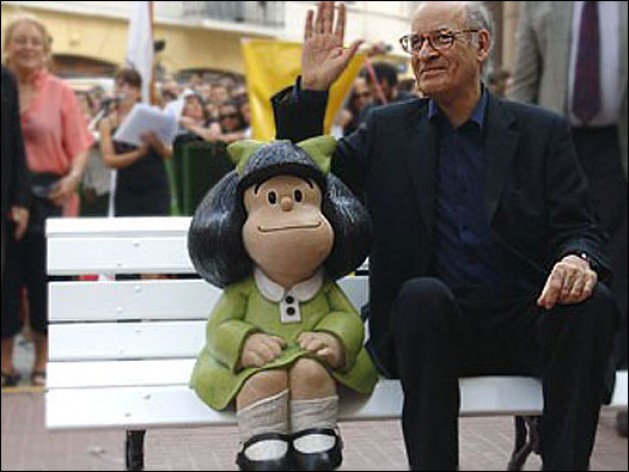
<point>441,335</point>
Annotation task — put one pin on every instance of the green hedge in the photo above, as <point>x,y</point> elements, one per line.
<point>196,167</point>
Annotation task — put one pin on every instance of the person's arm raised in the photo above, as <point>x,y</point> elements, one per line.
<point>323,56</point>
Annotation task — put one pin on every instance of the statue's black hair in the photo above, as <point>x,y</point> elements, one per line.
<point>215,238</point>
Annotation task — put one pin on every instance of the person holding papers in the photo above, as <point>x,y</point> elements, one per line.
<point>142,187</point>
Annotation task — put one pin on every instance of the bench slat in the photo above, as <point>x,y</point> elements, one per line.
<point>178,405</point>
<point>494,392</point>
<point>129,340</point>
<point>151,299</point>
<point>129,407</point>
<point>476,390</point>
<point>131,299</point>
<point>118,226</point>
<point>619,397</point>
<point>122,255</point>
<point>91,374</point>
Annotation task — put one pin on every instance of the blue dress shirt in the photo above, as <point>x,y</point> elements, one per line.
<point>467,254</point>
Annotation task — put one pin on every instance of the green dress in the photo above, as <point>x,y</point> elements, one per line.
<point>243,310</point>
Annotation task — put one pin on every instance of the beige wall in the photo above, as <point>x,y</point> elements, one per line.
<point>105,39</point>
<point>510,24</point>
<point>200,48</point>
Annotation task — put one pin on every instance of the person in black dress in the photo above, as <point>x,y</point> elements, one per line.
<point>142,186</point>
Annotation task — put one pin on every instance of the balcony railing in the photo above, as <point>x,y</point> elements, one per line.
<point>269,14</point>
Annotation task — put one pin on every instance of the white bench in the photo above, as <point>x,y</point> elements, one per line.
<point>121,351</point>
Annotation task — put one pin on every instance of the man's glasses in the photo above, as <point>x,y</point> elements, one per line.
<point>363,95</point>
<point>438,40</point>
<point>227,116</point>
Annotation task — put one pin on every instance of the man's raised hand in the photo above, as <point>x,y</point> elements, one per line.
<point>323,58</point>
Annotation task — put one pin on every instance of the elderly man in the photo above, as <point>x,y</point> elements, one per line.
<point>486,257</point>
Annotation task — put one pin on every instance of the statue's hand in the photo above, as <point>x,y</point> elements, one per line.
<point>260,349</point>
<point>324,345</point>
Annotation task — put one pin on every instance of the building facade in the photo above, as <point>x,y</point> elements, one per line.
<point>90,38</point>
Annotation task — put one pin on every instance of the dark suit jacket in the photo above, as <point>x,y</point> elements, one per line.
<point>535,197</point>
<point>15,184</point>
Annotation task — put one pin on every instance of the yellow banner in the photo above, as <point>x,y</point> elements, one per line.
<point>271,66</point>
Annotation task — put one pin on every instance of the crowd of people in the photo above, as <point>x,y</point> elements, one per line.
<point>205,112</point>
<point>503,204</point>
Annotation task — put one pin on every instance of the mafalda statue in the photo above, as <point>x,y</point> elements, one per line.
<point>275,234</point>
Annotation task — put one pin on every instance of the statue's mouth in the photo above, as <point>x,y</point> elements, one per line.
<point>274,229</point>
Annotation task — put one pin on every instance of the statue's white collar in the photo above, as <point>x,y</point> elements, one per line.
<point>303,291</point>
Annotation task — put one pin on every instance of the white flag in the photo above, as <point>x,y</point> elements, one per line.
<point>140,45</point>
<point>140,58</point>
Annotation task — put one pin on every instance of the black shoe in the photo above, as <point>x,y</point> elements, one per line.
<point>325,460</point>
<point>10,379</point>
<point>281,463</point>
<point>621,423</point>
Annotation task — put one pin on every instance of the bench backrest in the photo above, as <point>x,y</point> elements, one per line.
<point>168,315</point>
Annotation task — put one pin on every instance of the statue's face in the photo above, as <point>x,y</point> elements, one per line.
<point>286,234</point>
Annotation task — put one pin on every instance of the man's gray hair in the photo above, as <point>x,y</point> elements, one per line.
<point>478,16</point>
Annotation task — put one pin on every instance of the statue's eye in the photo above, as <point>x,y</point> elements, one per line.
<point>298,196</point>
<point>272,196</point>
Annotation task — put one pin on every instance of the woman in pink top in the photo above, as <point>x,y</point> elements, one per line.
<point>57,142</point>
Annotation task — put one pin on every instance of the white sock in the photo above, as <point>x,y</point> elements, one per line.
<point>269,415</point>
<point>314,413</point>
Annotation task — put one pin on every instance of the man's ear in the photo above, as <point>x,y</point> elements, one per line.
<point>483,44</point>
<point>484,41</point>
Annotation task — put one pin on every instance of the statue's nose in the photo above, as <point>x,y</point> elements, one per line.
<point>286,203</point>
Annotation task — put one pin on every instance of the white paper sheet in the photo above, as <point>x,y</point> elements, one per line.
<point>143,119</point>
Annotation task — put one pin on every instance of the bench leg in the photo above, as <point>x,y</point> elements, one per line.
<point>526,441</point>
<point>135,449</point>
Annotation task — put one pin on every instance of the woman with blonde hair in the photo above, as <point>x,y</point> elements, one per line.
<point>56,141</point>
